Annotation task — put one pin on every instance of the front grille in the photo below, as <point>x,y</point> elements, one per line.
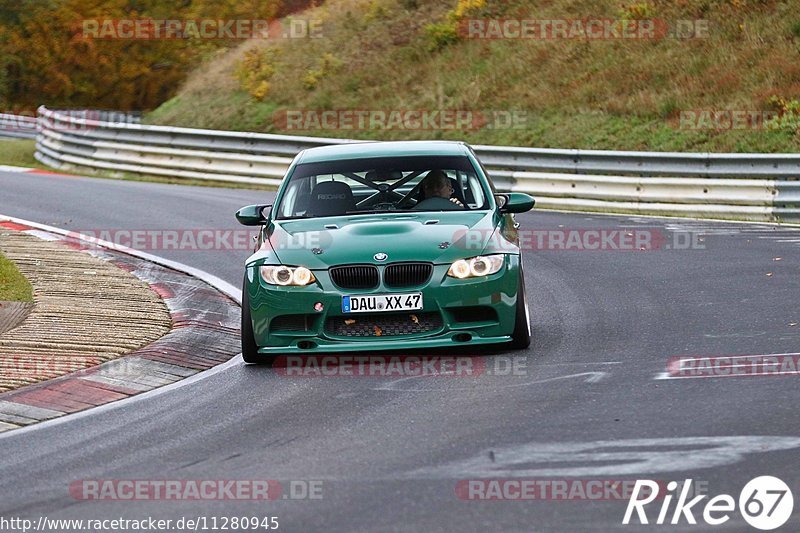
<point>383,325</point>
<point>290,323</point>
<point>407,274</point>
<point>355,276</point>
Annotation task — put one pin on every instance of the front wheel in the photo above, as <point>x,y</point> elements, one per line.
<point>521,337</point>
<point>249,347</point>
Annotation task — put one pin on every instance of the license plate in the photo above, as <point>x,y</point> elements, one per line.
<point>382,302</point>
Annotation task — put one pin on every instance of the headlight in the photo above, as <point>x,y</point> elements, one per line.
<point>284,275</point>
<point>476,267</point>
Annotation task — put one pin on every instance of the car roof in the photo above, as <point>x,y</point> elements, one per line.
<point>362,150</point>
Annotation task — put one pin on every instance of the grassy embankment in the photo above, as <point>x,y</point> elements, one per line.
<point>13,285</point>
<point>598,94</point>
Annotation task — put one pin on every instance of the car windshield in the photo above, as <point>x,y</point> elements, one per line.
<point>379,185</point>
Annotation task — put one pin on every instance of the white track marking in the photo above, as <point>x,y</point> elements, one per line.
<point>629,457</point>
<point>591,377</point>
<point>9,168</point>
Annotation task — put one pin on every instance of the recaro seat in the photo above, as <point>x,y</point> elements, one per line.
<point>331,198</point>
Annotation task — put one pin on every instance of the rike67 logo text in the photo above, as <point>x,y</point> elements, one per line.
<point>765,503</point>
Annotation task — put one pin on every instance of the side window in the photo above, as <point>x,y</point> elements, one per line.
<point>296,198</point>
<point>289,199</point>
<point>474,192</point>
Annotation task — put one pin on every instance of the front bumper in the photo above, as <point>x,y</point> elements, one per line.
<point>441,294</point>
<point>322,345</point>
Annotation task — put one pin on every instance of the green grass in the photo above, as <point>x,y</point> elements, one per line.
<point>18,153</point>
<point>615,95</point>
<point>13,285</point>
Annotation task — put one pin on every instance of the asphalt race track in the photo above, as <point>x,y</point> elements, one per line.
<point>591,404</point>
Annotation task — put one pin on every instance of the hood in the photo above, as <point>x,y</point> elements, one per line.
<point>437,237</point>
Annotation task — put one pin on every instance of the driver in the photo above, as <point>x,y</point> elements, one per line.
<point>438,190</point>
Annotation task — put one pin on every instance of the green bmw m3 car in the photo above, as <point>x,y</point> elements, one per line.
<point>384,246</point>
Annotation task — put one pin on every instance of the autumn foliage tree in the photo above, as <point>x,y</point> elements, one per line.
<point>45,58</point>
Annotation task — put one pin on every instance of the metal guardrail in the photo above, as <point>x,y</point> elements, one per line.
<point>762,187</point>
<point>17,126</point>
<point>25,127</point>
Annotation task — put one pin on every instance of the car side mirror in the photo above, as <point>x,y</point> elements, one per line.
<point>252,215</point>
<point>514,202</point>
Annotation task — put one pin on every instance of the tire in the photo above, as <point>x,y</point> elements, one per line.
<point>521,337</point>
<point>249,347</point>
